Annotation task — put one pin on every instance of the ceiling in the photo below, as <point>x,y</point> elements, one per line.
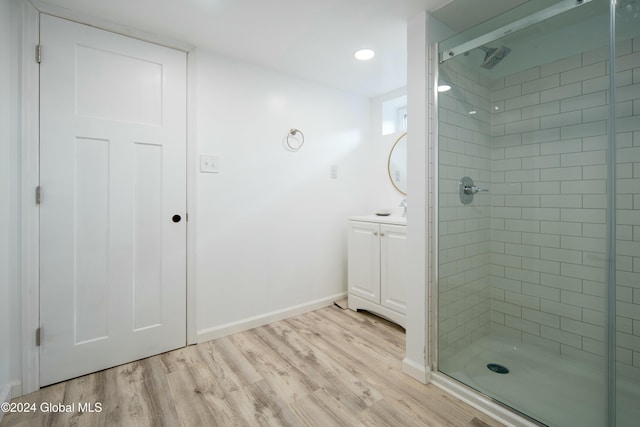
<point>314,40</point>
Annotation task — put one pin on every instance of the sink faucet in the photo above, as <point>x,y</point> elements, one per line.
<point>403,204</point>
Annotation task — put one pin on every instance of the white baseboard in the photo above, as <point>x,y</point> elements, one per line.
<point>16,389</point>
<point>415,370</point>
<point>261,320</point>
<point>5,396</point>
<point>481,403</point>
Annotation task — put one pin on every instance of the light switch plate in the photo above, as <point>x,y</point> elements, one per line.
<point>334,171</point>
<point>209,164</point>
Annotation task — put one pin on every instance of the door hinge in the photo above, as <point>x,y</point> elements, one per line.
<point>38,53</point>
<point>38,195</point>
<point>38,333</point>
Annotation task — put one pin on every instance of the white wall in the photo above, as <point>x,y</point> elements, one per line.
<point>415,363</point>
<point>5,200</point>
<point>272,224</point>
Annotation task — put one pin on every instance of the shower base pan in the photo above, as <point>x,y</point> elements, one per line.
<point>548,387</point>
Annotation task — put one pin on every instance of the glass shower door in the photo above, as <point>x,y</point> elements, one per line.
<point>523,267</point>
<point>627,277</point>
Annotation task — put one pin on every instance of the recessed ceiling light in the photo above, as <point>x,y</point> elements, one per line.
<point>364,54</point>
<point>444,88</point>
<point>472,112</point>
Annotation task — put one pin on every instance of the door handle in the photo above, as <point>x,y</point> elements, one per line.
<point>176,218</point>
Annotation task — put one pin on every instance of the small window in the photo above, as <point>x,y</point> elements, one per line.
<point>394,115</point>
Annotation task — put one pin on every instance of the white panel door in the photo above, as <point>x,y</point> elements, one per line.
<point>112,217</point>
<point>393,267</point>
<point>364,260</point>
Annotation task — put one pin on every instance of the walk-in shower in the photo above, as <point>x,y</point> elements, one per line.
<point>537,289</point>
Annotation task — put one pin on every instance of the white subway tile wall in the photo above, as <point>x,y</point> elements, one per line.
<point>528,260</point>
<point>628,209</point>
<point>464,240</point>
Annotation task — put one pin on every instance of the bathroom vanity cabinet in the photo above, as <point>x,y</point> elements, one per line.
<point>377,266</point>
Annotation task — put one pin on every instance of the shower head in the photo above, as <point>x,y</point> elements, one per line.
<point>493,56</point>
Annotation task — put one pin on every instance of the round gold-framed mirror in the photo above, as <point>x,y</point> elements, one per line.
<point>397,164</point>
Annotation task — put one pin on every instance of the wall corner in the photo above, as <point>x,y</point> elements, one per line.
<point>417,215</point>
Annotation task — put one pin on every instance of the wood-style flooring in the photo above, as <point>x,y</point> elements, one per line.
<point>330,367</point>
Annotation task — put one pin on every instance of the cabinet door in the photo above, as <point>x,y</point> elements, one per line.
<point>393,269</point>
<point>364,260</point>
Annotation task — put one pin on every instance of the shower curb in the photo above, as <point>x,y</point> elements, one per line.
<point>481,403</point>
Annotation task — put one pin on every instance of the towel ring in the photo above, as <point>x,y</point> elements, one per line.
<point>293,143</point>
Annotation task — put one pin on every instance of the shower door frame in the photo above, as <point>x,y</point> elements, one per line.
<point>487,404</point>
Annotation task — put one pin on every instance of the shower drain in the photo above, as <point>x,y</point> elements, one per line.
<point>498,369</point>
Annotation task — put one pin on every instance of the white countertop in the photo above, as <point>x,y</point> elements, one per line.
<point>391,219</point>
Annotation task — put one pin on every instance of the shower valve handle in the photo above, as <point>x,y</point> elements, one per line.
<point>473,189</point>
